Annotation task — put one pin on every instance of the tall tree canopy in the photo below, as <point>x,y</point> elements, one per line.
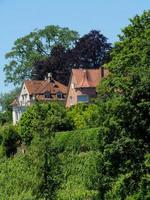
<point>56,50</point>
<point>125,115</point>
<point>36,46</point>
<point>133,47</point>
<point>91,50</point>
<point>56,63</point>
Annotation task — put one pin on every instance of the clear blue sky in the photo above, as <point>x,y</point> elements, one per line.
<point>19,17</point>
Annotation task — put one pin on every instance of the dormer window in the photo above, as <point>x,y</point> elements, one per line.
<point>60,95</point>
<point>56,86</point>
<point>47,95</point>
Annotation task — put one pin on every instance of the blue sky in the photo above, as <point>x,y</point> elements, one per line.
<point>18,18</point>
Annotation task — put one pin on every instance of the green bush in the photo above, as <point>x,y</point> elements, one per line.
<point>79,156</point>
<point>10,139</point>
<point>41,119</point>
<point>5,117</point>
<point>17,178</point>
<point>48,170</point>
<point>77,141</point>
<point>84,115</point>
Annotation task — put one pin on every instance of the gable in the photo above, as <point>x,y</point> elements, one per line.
<point>87,77</point>
<point>24,90</point>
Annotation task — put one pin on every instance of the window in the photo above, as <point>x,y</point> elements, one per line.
<point>71,100</point>
<point>56,86</point>
<point>83,98</point>
<point>24,99</point>
<point>60,95</point>
<point>47,95</point>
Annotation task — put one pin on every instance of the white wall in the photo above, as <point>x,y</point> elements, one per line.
<point>17,113</point>
<point>24,100</point>
<point>24,97</point>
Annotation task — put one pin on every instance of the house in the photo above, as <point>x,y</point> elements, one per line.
<point>37,90</point>
<point>83,84</point>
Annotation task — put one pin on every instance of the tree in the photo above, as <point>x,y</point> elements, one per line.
<point>56,50</point>
<point>35,173</point>
<point>124,100</point>
<point>27,126</point>
<point>50,117</point>
<point>124,134</point>
<point>7,98</point>
<point>133,47</point>
<point>91,50</point>
<point>10,139</point>
<point>83,115</point>
<point>5,102</point>
<point>56,63</point>
<point>36,46</point>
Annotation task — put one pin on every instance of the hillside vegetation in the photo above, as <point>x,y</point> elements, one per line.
<point>74,168</point>
<point>98,151</point>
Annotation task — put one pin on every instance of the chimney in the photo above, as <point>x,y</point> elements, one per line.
<point>85,74</point>
<point>49,77</point>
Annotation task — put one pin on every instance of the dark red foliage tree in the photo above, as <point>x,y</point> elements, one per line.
<point>55,63</point>
<point>90,51</point>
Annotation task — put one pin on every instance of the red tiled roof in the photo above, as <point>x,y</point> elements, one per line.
<point>38,87</point>
<point>88,77</point>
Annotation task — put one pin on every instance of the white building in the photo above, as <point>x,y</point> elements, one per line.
<point>36,90</point>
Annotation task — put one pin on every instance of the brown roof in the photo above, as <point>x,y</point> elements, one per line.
<point>88,77</point>
<point>38,87</point>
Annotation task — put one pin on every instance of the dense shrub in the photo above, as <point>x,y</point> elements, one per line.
<point>77,141</point>
<point>84,115</point>
<point>50,171</point>
<point>41,119</point>
<point>79,156</point>
<point>10,139</point>
<point>5,117</point>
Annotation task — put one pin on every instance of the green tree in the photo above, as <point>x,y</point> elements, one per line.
<point>83,116</point>
<point>41,119</point>
<point>124,101</point>
<point>133,47</point>
<point>5,102</point>
<point>18,178</point>
<point>32,122</point>
<point>32,175</point>
<point>10,139</point>
<point>34,47</point>
<point>124,133</point>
